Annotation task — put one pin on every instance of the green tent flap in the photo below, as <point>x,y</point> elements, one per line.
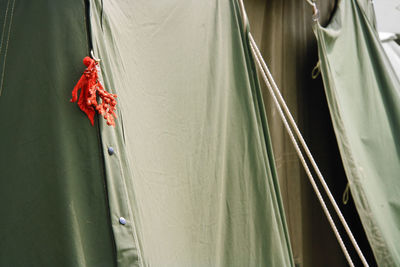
<point>363,94</point>
<point>193,152</point>
<point>52,197</point>
<point>190,179</point>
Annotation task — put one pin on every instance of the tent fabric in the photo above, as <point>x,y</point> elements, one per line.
<point>53,202</point>
<point>193,154</point>
<point>191,180</point>
<point>363,95</point>
<point>283,32</point>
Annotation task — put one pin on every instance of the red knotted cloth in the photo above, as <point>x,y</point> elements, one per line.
<point>91,88</point>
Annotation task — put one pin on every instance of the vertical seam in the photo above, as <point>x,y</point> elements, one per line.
<point>122,177</point>
<point>105,187</point>
<point>4,25</point>
<point>108,172</point>
<point>87,26</point>
<point>86,30</point>
<point>101,15</point>
<point>6,48</point>
<point>89,46</point>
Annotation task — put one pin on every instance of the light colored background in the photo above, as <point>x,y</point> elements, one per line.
<point>388,15</point>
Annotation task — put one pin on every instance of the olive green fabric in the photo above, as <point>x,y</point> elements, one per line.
<point>193,173</point>
<point>364,100</point>
<point>53,201</point>
<point>283,32</point>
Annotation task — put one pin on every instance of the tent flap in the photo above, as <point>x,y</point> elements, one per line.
<point>363,94</point>
<point>193,153</point>
<point>185,178</point>
<point>52,197</point>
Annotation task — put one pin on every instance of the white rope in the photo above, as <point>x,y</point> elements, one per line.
<point>244,16</point>
<point>315,9</point>
<point>312,3</point>
<point>275,92</point>
<point>302,159</point>
<point>282,102</point>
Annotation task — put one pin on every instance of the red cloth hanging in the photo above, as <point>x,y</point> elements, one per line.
<point>91,88</point>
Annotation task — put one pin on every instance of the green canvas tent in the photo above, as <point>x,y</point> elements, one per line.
<point>363,94</point>
<point>187,177</point>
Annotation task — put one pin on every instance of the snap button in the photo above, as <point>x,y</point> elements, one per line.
<point>122,221</point>
<point>111,151</point>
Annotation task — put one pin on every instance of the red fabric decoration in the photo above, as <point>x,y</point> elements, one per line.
<point>91,88</point>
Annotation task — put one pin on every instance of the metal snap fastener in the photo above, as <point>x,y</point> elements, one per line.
<point>122,221</point>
